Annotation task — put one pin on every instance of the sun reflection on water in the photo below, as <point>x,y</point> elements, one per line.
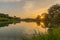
<point>41,28</point>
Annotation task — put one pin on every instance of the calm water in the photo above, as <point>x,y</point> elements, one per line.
<point>22,28</point>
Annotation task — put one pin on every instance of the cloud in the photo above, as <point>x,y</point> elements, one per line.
<point>28,6</point>
<point>31,5</point>
<point>57,2</point>
<point>23,7</point>
<point>10,0</point>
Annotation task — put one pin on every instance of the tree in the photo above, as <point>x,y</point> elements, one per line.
<point>54,10</point>
<point>38,17</point>
<point>45,16</point>
<point>54,13</point>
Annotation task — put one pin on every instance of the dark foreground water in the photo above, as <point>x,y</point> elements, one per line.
<point>18,30</point>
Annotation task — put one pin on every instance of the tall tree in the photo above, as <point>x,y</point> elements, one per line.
<point>54,13</point>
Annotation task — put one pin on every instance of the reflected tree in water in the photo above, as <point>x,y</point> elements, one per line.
<point>6,23</point>
<point>38,20</point>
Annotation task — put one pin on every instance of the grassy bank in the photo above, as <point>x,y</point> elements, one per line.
<point>2,19</point>
<point>5,21</point>
<point>52,35</point>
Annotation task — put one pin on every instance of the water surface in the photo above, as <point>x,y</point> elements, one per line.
<point>22,28</point>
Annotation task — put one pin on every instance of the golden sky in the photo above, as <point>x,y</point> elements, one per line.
<point>26,8</point>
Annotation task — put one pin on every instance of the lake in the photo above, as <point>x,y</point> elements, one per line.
<point>20,29</point>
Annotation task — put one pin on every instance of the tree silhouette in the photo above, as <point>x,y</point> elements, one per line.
<point>38,17</point>
<point>52,18</point>
<point>54,10</point>
<point>54,13</point>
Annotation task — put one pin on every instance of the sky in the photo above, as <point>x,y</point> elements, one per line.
<point>26,8</point>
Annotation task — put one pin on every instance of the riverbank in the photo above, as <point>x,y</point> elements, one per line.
<point>52,35</point>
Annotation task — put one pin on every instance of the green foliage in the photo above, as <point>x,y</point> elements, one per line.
<point>54,13</point>
<point>52,35</point>
<point>52,18</point>
<point>6,17</point>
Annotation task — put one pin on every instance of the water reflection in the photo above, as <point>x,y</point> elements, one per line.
<point>37,22</point>
<point>41,26</point>
<point>31,24</point>
<point>6,23</point>
<point>25,27</point>
<point>2,24</point>
<point>45,24</point>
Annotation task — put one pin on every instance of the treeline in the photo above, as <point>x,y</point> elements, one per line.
<point>6,17</point>
<point>52,17</point>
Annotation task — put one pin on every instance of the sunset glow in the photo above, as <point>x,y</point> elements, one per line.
<point>28,8</point>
